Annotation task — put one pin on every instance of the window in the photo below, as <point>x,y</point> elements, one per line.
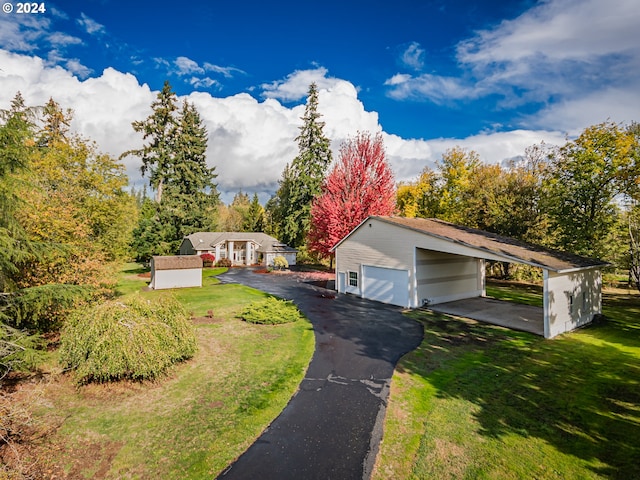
<point>353,279</point>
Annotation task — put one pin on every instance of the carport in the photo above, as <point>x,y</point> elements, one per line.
<point>418,262</point>
<point>526,318</point>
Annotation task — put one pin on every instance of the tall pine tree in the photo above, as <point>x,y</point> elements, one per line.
<point>174,158</point>
<point>160,130</point>
<point>302,180</point>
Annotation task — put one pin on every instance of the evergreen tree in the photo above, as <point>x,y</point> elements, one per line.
<point>302,180</point>
<point>16,146</point>
<point>254,221</point>
<point>175,160</point>
<point>160,129</point>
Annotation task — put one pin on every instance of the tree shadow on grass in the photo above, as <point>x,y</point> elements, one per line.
<point>579,395</point>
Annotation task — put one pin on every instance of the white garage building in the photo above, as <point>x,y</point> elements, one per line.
<point>413,262</point>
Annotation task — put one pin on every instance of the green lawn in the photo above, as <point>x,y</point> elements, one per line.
<point>478,401</point>
<point>194,422</point>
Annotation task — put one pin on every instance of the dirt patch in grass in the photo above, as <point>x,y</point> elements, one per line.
<point>145,275</point>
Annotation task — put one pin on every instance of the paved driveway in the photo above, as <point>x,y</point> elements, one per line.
<point>332,427</point>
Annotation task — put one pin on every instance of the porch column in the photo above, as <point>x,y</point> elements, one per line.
<point>247,254</point>
<point>230,251</point>
<point>217,252</point>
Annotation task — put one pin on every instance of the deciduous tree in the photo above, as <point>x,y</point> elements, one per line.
<point>586,177</point>
<point>360,184</point>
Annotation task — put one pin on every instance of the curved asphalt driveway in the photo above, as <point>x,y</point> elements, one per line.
<point>332,427</point>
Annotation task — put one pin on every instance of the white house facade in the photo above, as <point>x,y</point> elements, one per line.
<point>242,248</point>
<point>413,262</point>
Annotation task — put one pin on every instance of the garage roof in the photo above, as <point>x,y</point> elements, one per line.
<point>177,262</point>
<point>511,249</point>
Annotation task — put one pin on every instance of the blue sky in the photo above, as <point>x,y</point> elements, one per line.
<point>494,76</point>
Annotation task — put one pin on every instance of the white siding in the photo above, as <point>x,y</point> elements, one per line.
<point>179,278</point>
<point>379,244</point>
<point>572,300</point>
<point>384,245</point>
<point>290,257</point>
<point>443,277</point>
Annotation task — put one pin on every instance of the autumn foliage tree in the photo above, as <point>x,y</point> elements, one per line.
<point>360,184</point>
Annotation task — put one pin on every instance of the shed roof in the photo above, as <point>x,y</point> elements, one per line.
<point>177,262</point>
<point>267,243</point>
<point>511,249</point>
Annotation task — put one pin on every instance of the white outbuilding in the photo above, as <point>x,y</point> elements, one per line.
<point>177,271</point>
<point>416,262</point>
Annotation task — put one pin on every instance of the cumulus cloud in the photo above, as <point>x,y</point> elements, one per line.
<point>250,140</point>
<point>295,86</point>
<point>565,52</point>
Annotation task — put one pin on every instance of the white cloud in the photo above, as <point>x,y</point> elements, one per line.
<point>413,56</point>
<point>77,68</point>
<point>186,66</point>
<point>21,33</point>
<point>90,25</point>
<point>250,141</point>
<point>295,86</point>
<point>205,82</point>
<point>227,72</point>
<point>435,88</point>
<point>563,54</point>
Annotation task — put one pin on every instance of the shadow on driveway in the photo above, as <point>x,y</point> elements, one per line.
<point>332,427</point>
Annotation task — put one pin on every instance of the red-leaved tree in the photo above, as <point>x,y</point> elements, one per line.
<point>360,184</point>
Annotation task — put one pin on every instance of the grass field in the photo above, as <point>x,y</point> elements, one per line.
<point>189,425</point>
<point>478,401</point>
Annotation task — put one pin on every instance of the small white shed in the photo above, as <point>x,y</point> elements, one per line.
<point>412,262</point>
<point>178,271</point>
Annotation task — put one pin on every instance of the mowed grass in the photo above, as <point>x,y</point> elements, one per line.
<point>476,401</point>
<point>196,421</point>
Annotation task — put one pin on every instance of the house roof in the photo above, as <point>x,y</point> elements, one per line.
<point>267,243</point>
<point>176,262</point>
<point>511,249</point>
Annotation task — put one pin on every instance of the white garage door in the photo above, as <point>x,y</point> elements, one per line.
<point>387,285</point>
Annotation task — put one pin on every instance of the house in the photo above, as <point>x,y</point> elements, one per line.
<point>175,272</point>
<point>241,248</point>
<point>415,262</point>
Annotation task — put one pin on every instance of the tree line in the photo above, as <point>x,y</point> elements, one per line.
<point>67,214</point>
<point>581,197</point>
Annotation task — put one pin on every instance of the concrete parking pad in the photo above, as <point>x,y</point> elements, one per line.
<point>497,312</point>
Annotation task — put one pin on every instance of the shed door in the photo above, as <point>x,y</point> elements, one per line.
<point>387,285</point>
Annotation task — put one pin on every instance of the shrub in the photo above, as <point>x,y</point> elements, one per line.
<point>208,259</point>
<point>271,311</point>
<point>130,339</point>
<point>280,263</point>
<point>223,262</point>
<point>19,350</point>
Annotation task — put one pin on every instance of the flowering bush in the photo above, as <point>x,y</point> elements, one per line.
<point>208,259</point>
